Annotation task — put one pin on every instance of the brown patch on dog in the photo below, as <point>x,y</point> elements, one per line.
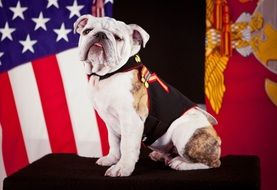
<point>140,95</point>
<point>204,147</point>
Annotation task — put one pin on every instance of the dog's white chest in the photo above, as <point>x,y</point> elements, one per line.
<point>111,97</point>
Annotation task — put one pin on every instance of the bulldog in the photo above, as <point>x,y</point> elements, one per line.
<point>137,106</point>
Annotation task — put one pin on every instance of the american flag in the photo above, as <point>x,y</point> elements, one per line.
<point>44,107</point>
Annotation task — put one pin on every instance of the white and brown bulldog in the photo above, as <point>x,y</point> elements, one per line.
<point>137,105</point>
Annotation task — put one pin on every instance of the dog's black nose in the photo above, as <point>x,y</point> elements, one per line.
<point>101,35</point>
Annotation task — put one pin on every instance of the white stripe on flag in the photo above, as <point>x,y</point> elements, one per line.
<point>30,112</point>
<point>80,107</point>
<point>2,167</point>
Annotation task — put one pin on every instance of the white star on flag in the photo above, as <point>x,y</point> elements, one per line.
<point>7,32</point>
<point>62,33</point>
<point>1,54</point>
<point>74,9</point>
<point>18,11</point>
<point>28,44</point>
<point>40,22</point>
<point>52,3</point>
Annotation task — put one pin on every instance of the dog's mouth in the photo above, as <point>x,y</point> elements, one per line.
<point>98,45</point>
<point>96,51</point>
<point>98,54</point>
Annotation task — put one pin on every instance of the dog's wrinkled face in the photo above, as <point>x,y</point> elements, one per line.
<point>106,44</point>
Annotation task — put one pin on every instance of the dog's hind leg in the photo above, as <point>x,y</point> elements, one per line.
<point>204,147</point>
<point>197,141</point>
<point>177,162</point>
<point>157,156</point>
<point>180,163</point>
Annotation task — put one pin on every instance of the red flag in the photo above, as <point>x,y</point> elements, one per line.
<point>241,88</point>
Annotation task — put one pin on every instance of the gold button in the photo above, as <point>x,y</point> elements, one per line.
<point>143,79</point>
<point>137,58</point>
<point>146,84</point>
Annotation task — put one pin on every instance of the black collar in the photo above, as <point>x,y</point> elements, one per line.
<point>133,63</point>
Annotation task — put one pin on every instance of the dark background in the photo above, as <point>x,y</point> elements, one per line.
<point>175,50</point>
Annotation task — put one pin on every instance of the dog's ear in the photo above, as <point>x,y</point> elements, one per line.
<point>140,36</point>
<point>80,23</point>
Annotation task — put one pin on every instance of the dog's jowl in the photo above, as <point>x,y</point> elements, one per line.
<point>138,106</point>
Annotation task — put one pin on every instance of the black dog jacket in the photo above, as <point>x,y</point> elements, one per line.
<point>166,103</point>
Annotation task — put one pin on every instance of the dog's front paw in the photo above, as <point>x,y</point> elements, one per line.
<point>120,170</point>
<point>107,160</point>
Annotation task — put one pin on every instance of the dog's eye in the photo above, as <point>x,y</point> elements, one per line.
<point>117,38</point>
<point>86,31</point>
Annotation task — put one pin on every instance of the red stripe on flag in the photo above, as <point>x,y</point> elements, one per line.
<point>103,135</point>
<point>14,151</point>
<point>54,105</point>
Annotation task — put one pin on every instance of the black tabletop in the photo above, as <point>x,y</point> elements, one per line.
<point>69,171</point>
